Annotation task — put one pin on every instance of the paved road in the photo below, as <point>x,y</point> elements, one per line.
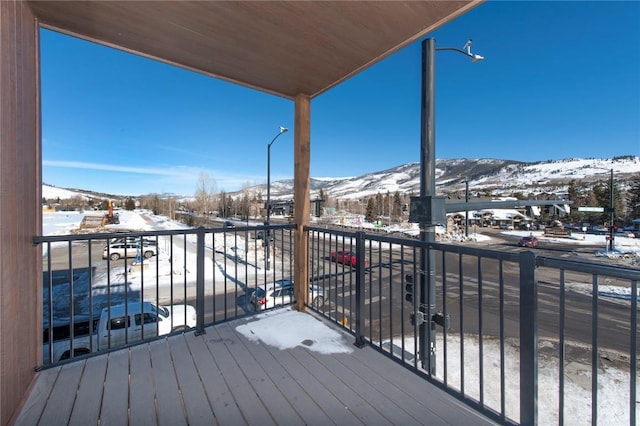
<point>389,312</point>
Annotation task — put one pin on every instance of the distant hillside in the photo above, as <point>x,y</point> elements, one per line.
<point>50,192</point>
<point>500,177</point>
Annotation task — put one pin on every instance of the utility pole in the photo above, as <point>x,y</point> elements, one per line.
<point>611,212</point>
<point>466,212</point>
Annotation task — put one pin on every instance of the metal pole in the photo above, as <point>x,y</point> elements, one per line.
<point>267,233</point>
<point>200,282</point>
<point>611,212</point>
<point>528,339</point>
<point>427,189</point>
<point>466,212</point>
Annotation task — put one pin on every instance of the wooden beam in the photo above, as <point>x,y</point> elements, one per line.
<point>20,200</point>
<point>301,197</point>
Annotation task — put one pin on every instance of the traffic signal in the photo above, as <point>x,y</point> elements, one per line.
<point>408,287</point>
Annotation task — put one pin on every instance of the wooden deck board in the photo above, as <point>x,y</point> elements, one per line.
<point>168,397</point>
<point>142,393</point>
<point>35,403</point>
<point>223,378</point>
<point>410,396</point>
<point>340,387</point>
<point>330,405</point>
<point>223,351</point>
<point>115,399</point>
<point>282,377</point>
<point>194,397</point>
<point>435,402</point>
<point>86,409</point>
<point>60,404</point>
<point>277,404</point>
<point>370,387</point>
<point>224,406</point>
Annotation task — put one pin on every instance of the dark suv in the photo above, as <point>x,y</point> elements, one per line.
<point>260,235</point>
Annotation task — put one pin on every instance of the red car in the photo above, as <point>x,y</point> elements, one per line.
<point>345,257</point>
<point>530,241</point>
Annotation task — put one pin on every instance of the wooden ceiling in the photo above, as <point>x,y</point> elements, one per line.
<point>285,48</point>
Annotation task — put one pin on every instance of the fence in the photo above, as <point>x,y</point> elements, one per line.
<point>214,270</point>
<point>520,337</point>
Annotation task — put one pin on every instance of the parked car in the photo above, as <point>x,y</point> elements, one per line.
<point>507,226</point>
<point>229,224</point>
<point>280,293</point>
<point>598,230</point>
<point>529,241</point>
<point>346,258</point>
<point>115,251</point>
<point>134,240</point>
<point>259,235</point>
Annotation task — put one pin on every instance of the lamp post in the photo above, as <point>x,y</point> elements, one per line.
<point>267,234</point>
<point>611,210</point>
<point>466,212</point>
<point>429,200</point>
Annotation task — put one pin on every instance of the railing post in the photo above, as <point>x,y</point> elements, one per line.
<point>200,282</point>
<point>360,253</point>
<point>528,339</point>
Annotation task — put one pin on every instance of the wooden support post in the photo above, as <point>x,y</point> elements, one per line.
<point>301,197</point>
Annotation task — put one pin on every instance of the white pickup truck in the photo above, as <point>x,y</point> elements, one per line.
<point>123,324</point>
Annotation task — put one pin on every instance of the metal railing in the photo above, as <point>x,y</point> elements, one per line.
<point>515,334</point>
<point>214,270</point>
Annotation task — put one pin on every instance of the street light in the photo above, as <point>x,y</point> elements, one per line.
<point>267,234</point>
<point>428,200</point>
<point>466,212</point>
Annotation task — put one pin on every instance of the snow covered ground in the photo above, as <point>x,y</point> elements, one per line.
<point>613,383</point>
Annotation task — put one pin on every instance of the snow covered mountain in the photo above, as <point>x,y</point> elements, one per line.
<point>497,176</point>
<point>500,177</point>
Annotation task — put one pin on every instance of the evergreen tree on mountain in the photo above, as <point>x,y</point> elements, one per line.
<point>370,214</point>
<point>325,198</point>
<point>602,193</point>
<point>396,207</point>
<point>379,205</point>
<point>633,198</point>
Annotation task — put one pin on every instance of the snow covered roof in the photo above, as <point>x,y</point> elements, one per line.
<point>502,214</point>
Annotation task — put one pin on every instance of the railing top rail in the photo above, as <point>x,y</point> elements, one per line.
<point>589,267</point>
<point>408,241</point>
<point>38,239</point>
<point>107,235</point>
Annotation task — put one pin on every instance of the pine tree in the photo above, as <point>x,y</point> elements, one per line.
<point>396,211</point>
<point>379,205</point>
<point>130,204</point>
<point>633,198</point>
<point>572,193</point>
<point>370,214</point>
<point>602,193</point>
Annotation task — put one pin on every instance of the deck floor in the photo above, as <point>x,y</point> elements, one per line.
<point>223,378</point>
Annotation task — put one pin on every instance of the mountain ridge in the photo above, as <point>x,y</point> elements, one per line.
<point>495,176</point>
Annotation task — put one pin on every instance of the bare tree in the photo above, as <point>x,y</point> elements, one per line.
<point>204,193</point>
<point>245,202</point>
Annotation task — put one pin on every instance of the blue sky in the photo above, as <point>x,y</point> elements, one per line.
<point>560,80</point>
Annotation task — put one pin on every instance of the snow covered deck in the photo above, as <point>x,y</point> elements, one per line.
<point>256,370</point>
